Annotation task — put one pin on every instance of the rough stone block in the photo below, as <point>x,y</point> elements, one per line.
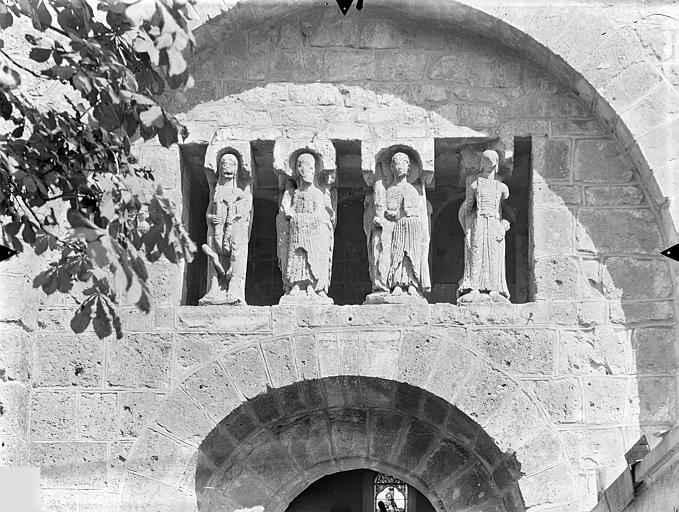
<point>552,159</point>
<point>605,399</point>
<point>419,438</point>
<point>562,398</point>
<point>448,67</point>
<point>70,464</point>
<point>14,407</point>
<point>548,487</point>
<point>633,83</point>
<point>360,316</point>
<point>629,195</point>
<point>349,65</point>
<point>602,350</point>
<point>213,391</point>
<point>600,160</point>
<point>657,146</point>
<point>593,449</point>
<point>581,314</point>
<point>343,32</point>
<point>471,490</point>
<point>654,349</point>
<point>418,356</point>
<point>97,416</point>
<point>577,127</point>
<point>661,105</point>
<point>657,400</point>
<point>53,415</point>
<point>452,365</point>
<point>134,411</point>
<point>384,433</point>
<point>547,195</point>
<point>220,319</point>
<point>540,452</point>
<point>379,353</point>
<point>248,371</point>
<point>448,458</point>
<point>552,232</point>
<point>68,360</point>
<point>118,455</point>
<point>493,72</point>
<point>617,231</point>
<point>401,66</point>
<point>13,451</point>
<point>141,494</point>
<point>280,361</point>
<point>515,418</point>
<point>348,431</point>
<point>477,115</point>
<point>15,361</point>
<point>160,457</point>
<point>630,278</point>
<point>483,393</point>
<point>180,416</point>
<point>295,66</point>
<point>636,312</point>
<point>521,351</point>
<point>141,360</point>
<point>195,348</point>
<point>306,354</point>
<point>557,277</point>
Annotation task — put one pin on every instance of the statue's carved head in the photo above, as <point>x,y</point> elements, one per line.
<point>489,161</point>
<point>228,166</point>
<point>400,164</point>
<point>306,167</point>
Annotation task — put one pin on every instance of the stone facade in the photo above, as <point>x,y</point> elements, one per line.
<point>246,406</point>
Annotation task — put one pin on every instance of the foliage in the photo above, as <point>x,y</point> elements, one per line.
<point>115,56</point>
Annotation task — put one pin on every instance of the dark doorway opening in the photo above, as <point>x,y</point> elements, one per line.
<point>356,491</point>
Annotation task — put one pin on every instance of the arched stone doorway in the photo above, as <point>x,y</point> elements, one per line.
<point>261,456</point>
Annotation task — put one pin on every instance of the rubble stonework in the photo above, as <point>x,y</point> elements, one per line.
<point>245,406</point>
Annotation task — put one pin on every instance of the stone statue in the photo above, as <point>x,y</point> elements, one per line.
<point>480,215</point>
<point>378,236</point>
<point>306,225</point>
<point>229,220</point>
<point>404,212</point>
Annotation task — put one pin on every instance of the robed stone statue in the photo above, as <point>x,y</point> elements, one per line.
<point>480,216</point>
<point>306,224</point>
<point>229,220</point>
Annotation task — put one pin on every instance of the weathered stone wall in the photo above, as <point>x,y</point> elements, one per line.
<point>568,382</point>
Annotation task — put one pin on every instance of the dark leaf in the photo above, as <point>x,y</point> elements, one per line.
<point>144,302</point>
<point>28,234</point>
<point>81,319</point>
<point>101,322</point>
<point>40,54</point>
<point>6,19</point>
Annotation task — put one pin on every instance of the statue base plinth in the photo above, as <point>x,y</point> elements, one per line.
<point>476,297</point>
<point>220,301</point>
<point>388,298</point>
<point>305,300</point>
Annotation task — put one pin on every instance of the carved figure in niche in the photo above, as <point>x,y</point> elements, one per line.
<point>306,225</point>
<point>229,220</point>
<point>405,213</point>
<point>480,215</point>
<point>378,235</point>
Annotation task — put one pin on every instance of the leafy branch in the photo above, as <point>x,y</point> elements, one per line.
<point>117,59</point>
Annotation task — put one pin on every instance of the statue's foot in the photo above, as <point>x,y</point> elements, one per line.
<point>321,293</point>
<point>310,292</point>
<point>412,290</point>
<point>295,291</point>
<point>397,291</point>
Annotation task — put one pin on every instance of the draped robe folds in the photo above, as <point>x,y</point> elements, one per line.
<point>409,239</point>
<point>484,256</point>
<point>310,242</point>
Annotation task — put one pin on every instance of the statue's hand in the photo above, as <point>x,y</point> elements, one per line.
<point>505,224</point>
<point>212,219</point>
<point>377,221</point>
<point>390,215</point>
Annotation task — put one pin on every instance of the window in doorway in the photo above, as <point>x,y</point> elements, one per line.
<point>391,494</point>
